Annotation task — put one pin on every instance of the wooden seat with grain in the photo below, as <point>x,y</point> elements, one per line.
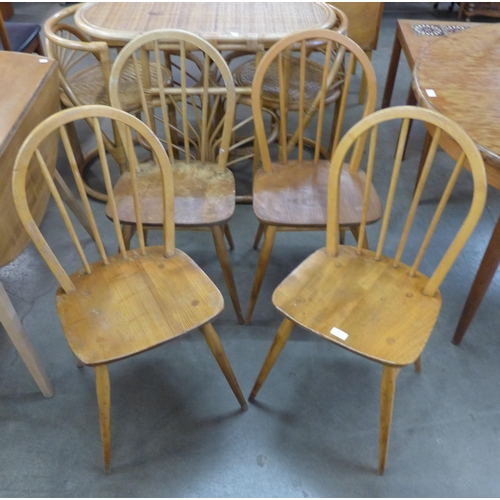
<point>84,68</point>
<point>364,301</point>
<point>123,304</point>
<point>289,192</point>
<point>193,117</point>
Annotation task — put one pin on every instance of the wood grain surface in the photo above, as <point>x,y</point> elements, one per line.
<point>30,93</point>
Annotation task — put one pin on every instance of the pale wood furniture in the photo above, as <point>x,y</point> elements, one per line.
<point>20,37</point>
<point>129,302</point>
<point>364,27</point>
<point>194,118</point>
<point>226,25</point>
<point>30,95</point>
<point>470,96</point>
<point>7,10</point>
<point>289,192</point>
<point>84,68</point>
<point>365,301</point>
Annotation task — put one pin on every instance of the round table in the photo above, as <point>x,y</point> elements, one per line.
<point>221,23</point>
<point>459,76</point>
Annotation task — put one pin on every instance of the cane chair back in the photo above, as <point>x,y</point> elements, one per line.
<point>371,304</point>
<point>118,305</point>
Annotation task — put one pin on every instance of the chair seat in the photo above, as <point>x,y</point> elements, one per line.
<point>244,74</point>
<point>89,86</point>
<point>203,194</point>
<point>142,306</point>
<point>20,35</point>
<point>296,195</point>
<point>383,311</point>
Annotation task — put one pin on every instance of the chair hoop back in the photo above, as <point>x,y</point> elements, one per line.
<point>29,156</point>
<point>470,157</point>
<point>333,76</point>
<point>190,113</point>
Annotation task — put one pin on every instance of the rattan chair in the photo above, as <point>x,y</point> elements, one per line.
<point>364,301</point>
<point>193,117</point>
<point>289,192</point>
<point>126,303</point>
<point>84,68</point>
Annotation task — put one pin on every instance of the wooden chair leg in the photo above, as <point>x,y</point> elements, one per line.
<point>215,346</point>
<point>229,236</point>
<point>258,236</point>
<point>279,342</point>
<point>12,324</point>
<point>70,200</point>
<point>225,264</point>
<point>265,253</point>
<point>104,402</point>
<point>387,390</point>
<point>128,230</point>
<point>418,365</point>
<point>355,233</point>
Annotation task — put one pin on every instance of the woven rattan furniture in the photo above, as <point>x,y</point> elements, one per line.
<point>194,118</point>
<point>226,25</point>
<point>84,68</point>
<point>126,303</point>
<point>469,94</point>
<point>289,191</point>
<point>371,304</point>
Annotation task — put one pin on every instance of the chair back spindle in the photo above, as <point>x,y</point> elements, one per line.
<point>30,156</point>
<point>470,156</point>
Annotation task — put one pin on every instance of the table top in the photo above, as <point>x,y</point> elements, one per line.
<point>416,34</point>
<point>459,75</point>
<point>218,22</point>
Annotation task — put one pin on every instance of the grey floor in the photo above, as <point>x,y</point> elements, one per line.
<point>177,430</point>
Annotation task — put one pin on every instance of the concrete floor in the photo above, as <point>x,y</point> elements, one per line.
<point>177,429</point>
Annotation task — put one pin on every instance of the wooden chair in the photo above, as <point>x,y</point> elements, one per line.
<point>290,193</point>
<point>84,68</point>
<point>193,117</point>
<point>122,304</point>
<point>362,300</point>
<point>20,37</point>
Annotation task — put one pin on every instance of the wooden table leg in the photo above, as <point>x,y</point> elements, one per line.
<point>483,278</point>
<point>391,74</point>
<point>12,324</point>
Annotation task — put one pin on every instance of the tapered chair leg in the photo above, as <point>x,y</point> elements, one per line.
<point>279,342</point>
<point>229,236</point>
<point>258,236</point>
<point>387,390</point>
<point>104,402</point>
<point>355,233</point>
<point>265,253</point>
<point>215,346</point>
<point>418,365</point>
<point>14,328</point>
<point>225,264</point>
<point>128,230</point>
